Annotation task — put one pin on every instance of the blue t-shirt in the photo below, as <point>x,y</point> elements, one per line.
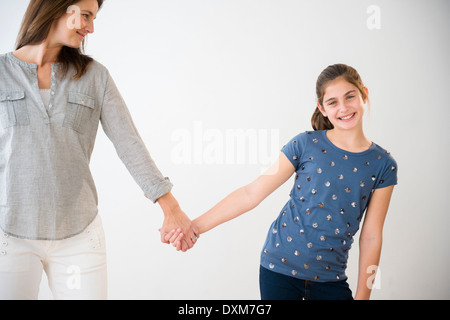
<point>314,231</point>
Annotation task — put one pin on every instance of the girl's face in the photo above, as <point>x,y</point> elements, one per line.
<point>343,104</point>
<point>73,26</point>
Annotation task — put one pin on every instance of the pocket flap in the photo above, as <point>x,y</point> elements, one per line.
<point>82,99</point>
<point>11,95</point>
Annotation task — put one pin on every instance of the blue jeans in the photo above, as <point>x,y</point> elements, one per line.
<point>277,286</point>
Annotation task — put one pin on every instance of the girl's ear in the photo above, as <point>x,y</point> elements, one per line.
<point>366,90</point>
<point>322,110</point>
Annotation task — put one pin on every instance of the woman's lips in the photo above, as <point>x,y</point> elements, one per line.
<point>81,35</point>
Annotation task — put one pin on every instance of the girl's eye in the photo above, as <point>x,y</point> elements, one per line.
<point>332,103</point>
<point>350,97</point>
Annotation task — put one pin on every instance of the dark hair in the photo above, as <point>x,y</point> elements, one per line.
<point>35,28</point>
<point>318,121</point>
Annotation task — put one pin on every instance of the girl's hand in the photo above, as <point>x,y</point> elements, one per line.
<point>174,219</point>
<point>175,237</point>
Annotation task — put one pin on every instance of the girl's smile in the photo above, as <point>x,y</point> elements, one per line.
<point>348,117</point>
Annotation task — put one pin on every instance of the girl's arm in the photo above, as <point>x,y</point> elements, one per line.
<point>248,197</point>
<point>370,241</point>
<point>241,200</point>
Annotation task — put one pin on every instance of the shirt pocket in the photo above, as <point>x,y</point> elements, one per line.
<point>80,108</point>
<point>13,109</point>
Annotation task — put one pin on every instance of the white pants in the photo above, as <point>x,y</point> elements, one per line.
<point>75,267</point>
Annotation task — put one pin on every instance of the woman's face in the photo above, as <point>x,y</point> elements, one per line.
<point>73,26</point>
<point>343,104</point>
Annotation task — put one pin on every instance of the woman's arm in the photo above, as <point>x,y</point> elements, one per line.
<point>120,129</point>
<point>370,240</point>
<point>241,200</point>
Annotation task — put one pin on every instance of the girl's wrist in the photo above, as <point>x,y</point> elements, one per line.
<point>362,296</point>
<point>200,225</point>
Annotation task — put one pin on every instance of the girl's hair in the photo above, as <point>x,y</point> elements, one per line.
<point>318,121</point>
<point>35,28</point>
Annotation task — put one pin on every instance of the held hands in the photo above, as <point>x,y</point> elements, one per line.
<point>177,228</point>
<point>175,237</point>
<point>179,231</point>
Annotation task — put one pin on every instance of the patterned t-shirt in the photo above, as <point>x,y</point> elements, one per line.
<point>314,231</point>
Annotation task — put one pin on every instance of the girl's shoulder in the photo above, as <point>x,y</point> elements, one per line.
<point>382,153</point>
<point>305,136</point>
<point>295,149</point>
<point>387,167</point>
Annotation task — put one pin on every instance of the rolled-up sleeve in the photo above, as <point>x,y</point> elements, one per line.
<point>120,129</point>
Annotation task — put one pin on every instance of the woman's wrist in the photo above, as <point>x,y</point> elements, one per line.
<point>168,204</point>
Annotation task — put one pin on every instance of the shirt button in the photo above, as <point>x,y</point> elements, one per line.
<point>50,106</point>
<point>2,252</point>
<point>8,97</point>
<point>53,93</point>
<point>5,235</point>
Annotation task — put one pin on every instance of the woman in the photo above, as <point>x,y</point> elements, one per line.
<point>52,98</point>
<point>340,175</point>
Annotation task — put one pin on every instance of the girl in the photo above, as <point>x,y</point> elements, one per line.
<point>339,175</point>
<point>52,98</point>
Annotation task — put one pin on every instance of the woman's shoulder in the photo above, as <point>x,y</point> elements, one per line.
<point>4,57</point>
<point>96,66</point>
<point>97,72</point>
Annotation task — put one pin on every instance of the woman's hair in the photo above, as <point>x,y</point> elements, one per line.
<point>318,121</point>
<point>35,28</point>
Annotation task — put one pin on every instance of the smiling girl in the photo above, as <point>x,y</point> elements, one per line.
<point>341,177</point>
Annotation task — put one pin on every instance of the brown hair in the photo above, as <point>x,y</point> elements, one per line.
<point>318,121</point>
<point>35,28</point>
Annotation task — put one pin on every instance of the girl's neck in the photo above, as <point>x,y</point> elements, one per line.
<point>350,140</point>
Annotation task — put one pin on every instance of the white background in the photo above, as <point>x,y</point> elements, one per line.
<point>252,64</point>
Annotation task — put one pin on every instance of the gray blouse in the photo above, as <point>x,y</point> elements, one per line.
<point>46,187</point>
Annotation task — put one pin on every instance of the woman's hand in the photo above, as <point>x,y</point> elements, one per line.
<point>176,219</point>
<point>175,237</point>
<point>179,230</point>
